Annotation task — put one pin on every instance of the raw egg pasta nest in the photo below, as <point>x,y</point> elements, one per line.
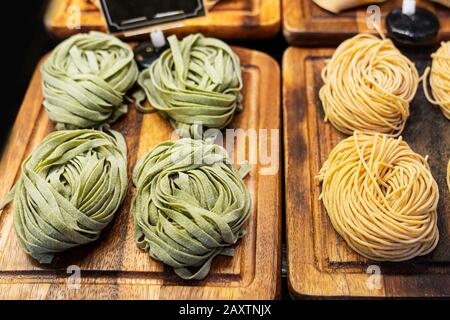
<point>439,79</point>
<point>368,86</point>
<point>381,197</point>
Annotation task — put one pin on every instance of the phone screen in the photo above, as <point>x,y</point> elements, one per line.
<point>125,15</point>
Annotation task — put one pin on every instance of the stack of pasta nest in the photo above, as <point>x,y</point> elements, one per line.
<point>379,194</point>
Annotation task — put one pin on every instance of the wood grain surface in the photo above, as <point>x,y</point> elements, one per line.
<point>113,267</point>
<point>307,24</point>
<point>229,19</point>
<point>320,264</point>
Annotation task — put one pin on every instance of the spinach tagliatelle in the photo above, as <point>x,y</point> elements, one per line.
<point>85,80</point>
<point>190,206</point>
<point>71,186</point>
<point>195,83</point>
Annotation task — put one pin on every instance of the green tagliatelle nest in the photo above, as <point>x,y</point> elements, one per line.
<point>196,83</point>
<point>70,188</point>
<point>85,80</point>
<point>191,205</point>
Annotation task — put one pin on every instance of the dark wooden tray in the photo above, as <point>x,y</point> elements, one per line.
<point>113,267</point>
<point>320,264</point>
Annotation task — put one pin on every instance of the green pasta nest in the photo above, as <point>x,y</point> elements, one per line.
<point>195,83</point>
<point>85,80</point>
<point>191,205</point>
<point>70,188</point>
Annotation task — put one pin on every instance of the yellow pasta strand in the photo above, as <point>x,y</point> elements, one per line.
<point>368,86</point>
<point>381,197</point>
<point>448,175</point>
<point>439,79</point>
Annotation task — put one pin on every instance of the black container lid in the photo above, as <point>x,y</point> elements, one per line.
<point>146,53</point>
<point>412,29</point>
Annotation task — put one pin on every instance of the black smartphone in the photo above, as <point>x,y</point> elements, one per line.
<point>126,15</point>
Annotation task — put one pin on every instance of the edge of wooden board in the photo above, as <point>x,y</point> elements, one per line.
<point>299,29</point>
<point>260,24</point>
<point>266,282</point>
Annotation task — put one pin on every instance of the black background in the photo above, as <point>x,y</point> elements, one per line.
<point>24,41</point>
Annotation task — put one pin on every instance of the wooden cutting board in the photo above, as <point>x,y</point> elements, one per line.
<point>320,264</point>
<point>307,24</point>
<point>113,267</point>
<point>229,19</point>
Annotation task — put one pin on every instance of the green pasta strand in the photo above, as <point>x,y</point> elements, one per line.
<point>190,206</point>
<point>85,80</point>
<point>70,188</point>
<point>195,83</point>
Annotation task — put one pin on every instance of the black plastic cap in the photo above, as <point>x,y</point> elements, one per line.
<point>421,27</point>
<point>146,53</point>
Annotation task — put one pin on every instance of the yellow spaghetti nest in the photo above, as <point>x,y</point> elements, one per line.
<point>381,197</point>
<point>439,79</point>
<point>368,86</point>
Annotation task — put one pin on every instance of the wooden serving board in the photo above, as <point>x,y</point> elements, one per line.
<point>307,24</point>
<point>113,267</point>
<point>320,264</point>
<point>229,19</point>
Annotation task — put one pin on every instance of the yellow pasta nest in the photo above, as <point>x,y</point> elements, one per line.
<point>368,86</point>
<point>439,79</point>
<point>381,197</point>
